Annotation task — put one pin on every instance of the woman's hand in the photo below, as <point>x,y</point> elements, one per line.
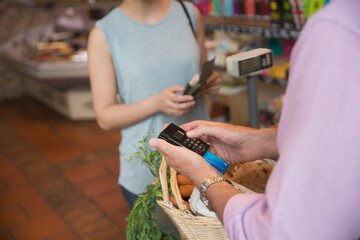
<point>173,104</point>
<point>212,84</point>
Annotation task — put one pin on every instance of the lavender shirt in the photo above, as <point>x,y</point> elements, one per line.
<point>314,191</point>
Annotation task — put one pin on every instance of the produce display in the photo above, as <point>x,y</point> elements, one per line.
<point>62,39</point>
<point>57,35</point>
<point>54,52</point>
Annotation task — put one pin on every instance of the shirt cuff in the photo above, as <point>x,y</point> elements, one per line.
<point>234,213</point>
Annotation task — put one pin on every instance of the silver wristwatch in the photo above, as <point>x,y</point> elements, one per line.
<point>206,184</point>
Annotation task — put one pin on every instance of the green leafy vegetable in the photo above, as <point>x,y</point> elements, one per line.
<point>151,158</point>
<point>142,221</point>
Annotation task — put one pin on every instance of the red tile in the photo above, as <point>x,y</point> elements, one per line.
<point>87,218</point>
<point>39,228</point>
<point>22,153</point>
<point>107,232</point>
<point>113,202</point>
<point>109,152</point>
<point>11,215</point>
<point>114,135</point>
<point>84,173</point>
<point>69,132</point>
<point>2,185</point>
<point>5,234</point>
<point>67,235</point>
<point>3,158</point>
<point>40,172</point>
<point>91,143</point>
<point>84,137</point>
<point>44,139</point>
<point>36,138</point>
<point>36,207</point>
<point>56,189</point>
<point>120,219</point>
<point>65,199</point>
<point>7,168</point>
<point>15,180</point>
<point>17,194</point>
<point>91,222</point>
<point>101,229</point>
<point>112,165</point>
<point>78,210</point>
<point>60,153</point>
<point>96,187</point>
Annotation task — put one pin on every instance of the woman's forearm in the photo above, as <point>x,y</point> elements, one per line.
<point>117,116</point>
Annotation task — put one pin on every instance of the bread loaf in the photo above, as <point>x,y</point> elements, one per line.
<point>252,175</point>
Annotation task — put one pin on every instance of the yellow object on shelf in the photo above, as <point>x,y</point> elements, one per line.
<point>279,71</point>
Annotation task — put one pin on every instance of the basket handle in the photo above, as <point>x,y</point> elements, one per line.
<point>163,180</point>
<point>173,184</point>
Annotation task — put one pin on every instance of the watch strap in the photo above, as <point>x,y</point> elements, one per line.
<point>206,184</point>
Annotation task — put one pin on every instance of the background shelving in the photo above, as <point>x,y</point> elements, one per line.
<point>257,26</point>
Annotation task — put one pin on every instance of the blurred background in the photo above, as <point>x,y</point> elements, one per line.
<point>58,169</point>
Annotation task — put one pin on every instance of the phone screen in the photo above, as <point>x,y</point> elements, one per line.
<point>206,71</point>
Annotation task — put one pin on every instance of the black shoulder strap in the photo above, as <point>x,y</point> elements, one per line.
<point>188,17</point>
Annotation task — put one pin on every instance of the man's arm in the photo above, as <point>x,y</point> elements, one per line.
<point>311,191</point>
<point>196,169</point>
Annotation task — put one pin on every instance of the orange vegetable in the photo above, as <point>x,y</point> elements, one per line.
<point>182,180</point>
<point>173,201</point>
<point>186,190</point>
<point>189,208</point>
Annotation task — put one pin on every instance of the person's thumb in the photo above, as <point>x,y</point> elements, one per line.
<point>200,131</point>
<point>177,88</point>
<point>160,145</point>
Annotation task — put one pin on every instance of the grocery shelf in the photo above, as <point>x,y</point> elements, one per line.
<point>255,25</point>
<point>252,93</point>
<point>46,70</point>
<point>273,80</point>
<point>260,22</point>
<point>264,78</point>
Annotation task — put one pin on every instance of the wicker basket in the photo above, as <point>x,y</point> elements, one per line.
<point>188,225</point>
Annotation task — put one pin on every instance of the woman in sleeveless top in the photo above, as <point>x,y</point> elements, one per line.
<point>145,51</point>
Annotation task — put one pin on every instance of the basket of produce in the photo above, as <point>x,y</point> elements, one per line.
<point>171,192</point>
<point>252,175</point>
<point>188,225</point>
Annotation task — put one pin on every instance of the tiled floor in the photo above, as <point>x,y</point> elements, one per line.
<point>58,178</point>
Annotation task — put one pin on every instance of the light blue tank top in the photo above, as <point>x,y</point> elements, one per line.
<point>149,59</point>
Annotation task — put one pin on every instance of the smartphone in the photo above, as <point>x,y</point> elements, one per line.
<point>194,85</point>
<point>177,136</point>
